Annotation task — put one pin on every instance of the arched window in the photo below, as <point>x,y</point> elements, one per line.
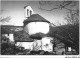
<point>30,12</point>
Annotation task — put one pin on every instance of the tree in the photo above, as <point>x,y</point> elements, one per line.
<point>72,15</point>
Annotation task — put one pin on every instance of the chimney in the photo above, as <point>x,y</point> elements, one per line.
<point>28,11</point>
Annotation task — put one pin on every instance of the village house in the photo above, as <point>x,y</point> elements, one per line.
<point>8,31</point>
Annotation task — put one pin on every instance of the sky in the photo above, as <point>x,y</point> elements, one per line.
<point>15,9</point>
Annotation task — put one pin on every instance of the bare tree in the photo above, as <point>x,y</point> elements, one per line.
<point>72,15</point>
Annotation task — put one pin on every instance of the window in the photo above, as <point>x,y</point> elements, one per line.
<point>30,12</point>
<point>27,12</point>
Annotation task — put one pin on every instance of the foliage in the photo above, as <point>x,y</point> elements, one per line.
<point>68,34</point>
<point>22,36</point>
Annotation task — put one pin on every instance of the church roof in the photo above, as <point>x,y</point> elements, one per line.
<point>34,18</point>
